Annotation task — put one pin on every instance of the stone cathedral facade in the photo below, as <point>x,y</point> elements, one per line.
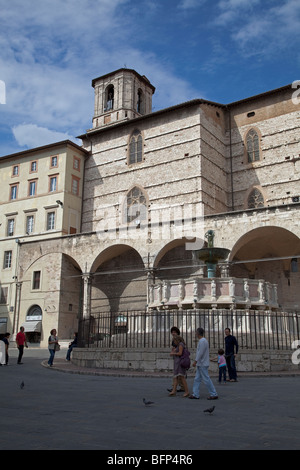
<point>153,184</point>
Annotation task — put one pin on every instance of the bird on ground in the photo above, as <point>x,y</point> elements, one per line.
<point>147,402</point>
<point>22,385</point>
<point>209,410</point>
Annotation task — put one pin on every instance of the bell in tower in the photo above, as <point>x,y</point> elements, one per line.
<point>121,95</point>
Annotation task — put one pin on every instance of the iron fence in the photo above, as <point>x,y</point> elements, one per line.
<point>137,329</point>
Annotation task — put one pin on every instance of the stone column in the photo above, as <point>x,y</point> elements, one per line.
<point>150,287</point>
<point>18,288</point>
<point>87,289</point>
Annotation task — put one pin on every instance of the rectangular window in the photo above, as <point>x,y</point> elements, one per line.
<point>53,184</point>
<point>13,192</point>
<point>75,186</point>
<point>33,167</point>
<point>32,188</point>
<point>10,227</point>
<point>7,259</point>
<point>76,163</point>
<point>36,280</point>
<point>50,220</point>
<point>54,162</point>
<point>15,170</point>
<point>3,295</point>
<point>29,224</point>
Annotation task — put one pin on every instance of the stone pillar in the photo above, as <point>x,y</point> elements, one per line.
<point>18,288</point>
<point>87,289</point>
<point>150,287</point>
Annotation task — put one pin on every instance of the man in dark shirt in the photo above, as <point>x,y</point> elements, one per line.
<point>230,343</point>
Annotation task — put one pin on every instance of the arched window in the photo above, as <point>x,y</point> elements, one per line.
<point>136,147</point>
<point>140,102</point>
<point>252,145</point>
<point>34,313</point>
<point>109,98</point>
<point>255,199</point>
<point>136,206</point>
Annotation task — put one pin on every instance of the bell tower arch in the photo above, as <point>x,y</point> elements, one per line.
<point>121,95</point>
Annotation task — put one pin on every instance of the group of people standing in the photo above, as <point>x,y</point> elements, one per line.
<point>21,343</point>
<point>53,346</point>
<point>226,359</point>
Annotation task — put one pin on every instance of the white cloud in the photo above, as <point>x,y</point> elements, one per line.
<point>258,28</point>
<point>31,135</point>
<point>230,10</point>
<point>50,52</point>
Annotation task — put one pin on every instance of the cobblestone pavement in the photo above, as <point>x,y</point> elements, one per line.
<point>85,409</point>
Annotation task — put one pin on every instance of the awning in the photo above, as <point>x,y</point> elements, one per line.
<point>32,326</point>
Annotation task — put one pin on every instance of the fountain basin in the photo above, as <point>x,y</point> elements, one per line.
<point>211,256</point>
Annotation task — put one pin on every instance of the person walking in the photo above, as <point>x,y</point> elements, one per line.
<point>5,340</point>
<point>176,332</point>
<point>178,370</point>
<point>52,346</point>
<point>72,345</point>
<point>231,344</point>
<point>21,341</point>
<point>202,364</point>
<point>2,353</point>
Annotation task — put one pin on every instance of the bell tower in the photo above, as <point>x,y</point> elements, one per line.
<point>121,95</point>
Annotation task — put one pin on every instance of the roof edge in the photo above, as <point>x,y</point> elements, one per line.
<point>45,147</point>
<point>195,102</point>
<point>140,77</point>
<point>260,95</point>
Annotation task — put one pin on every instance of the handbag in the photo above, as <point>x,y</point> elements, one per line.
<point>57,347</point>
<point>185,360</point>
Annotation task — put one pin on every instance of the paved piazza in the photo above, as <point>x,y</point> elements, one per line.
<point>57,411</point>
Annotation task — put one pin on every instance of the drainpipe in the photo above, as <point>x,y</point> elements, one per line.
<point>231,160</point>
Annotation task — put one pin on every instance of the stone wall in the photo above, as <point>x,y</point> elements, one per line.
<point>159,360</point>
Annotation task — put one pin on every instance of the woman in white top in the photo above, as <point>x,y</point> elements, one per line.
<point>52,345</point>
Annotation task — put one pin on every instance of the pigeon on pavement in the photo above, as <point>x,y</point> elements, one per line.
<point>209,410</point>
<point>22,385</point>
<point>147,402</point>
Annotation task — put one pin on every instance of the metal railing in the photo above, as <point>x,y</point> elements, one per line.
<point>253,329</point>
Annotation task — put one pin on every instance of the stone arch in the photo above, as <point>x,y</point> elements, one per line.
<point>176,260</point>
<point>178,242</point>
<point>59,293</point>
<point>33,260</point>
<point>119,280</point>
<point>33,312</point>
<point>266,253</point>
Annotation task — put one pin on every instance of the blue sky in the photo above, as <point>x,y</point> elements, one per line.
<point>50,50</point>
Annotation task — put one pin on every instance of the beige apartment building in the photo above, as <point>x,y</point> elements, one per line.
<point>41,199</point>
<point>153,184</point>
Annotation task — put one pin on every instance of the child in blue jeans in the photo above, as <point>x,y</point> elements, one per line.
<point>222,365</point>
